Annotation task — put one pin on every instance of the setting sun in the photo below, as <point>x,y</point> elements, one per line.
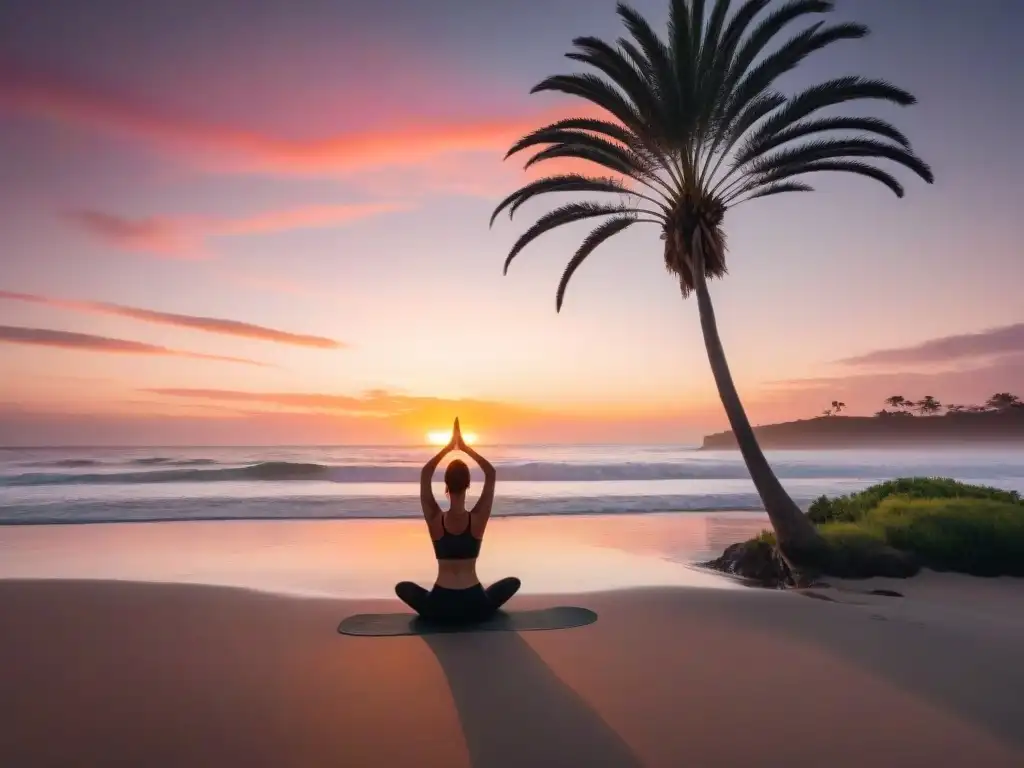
<point>441,437</point>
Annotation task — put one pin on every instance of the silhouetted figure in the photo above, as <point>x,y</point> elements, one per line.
<point>457,595</point>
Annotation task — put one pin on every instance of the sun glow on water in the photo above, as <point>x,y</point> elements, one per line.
<point>442,437</point>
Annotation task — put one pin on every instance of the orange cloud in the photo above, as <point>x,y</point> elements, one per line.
<point>375,403</point>
<point>226,148</point>
<point>42,337</point>
<point>387,415</point>
<point>193,322</point>
<point>184,237</point>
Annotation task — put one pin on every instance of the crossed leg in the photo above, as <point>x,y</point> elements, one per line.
<point>500,592</point>
<point>413,595</point>
<point>419,599</point>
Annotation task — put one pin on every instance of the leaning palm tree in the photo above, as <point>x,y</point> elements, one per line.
<point>692,125</point>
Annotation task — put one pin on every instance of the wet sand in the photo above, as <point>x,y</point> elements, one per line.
<point>215,644</point>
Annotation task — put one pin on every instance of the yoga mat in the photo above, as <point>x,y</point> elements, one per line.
<point>393,624</point>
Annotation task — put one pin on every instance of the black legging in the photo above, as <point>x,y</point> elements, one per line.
<point>472,604</point>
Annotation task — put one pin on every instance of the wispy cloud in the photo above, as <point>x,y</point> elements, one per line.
<point>413,411</point>
<point>219,147</point>
<point>995,341</point>
<point>372,403</point>
<point>151,235</point>
<point>42,337</point>
<point>185,237</point>
<point>192,322</point>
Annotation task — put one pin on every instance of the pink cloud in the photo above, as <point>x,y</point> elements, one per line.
<point>42,337</point>
<point>185,237</point>
<point>192,322</point>
<point>1008,339</point>
<point>226,148</point>
<point>162,237</point>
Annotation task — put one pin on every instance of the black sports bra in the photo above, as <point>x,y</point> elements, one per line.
<point>457,546</point>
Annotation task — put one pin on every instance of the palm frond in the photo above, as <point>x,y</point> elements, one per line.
<point>582,146</point>
<point>763,33</point>
<point>712,64</point>
<point>763,142</point>
<point>597,91</point>
<point>603,232</point>
<point>722,64</point>
<point>680,36</point>
<point>622,71</point>
<point>565,214</point>
<point>570,182</point>
<point>543,135</point>
<point>727,136</point>
<point>582,139</point>
<point>696,24</point>
<point>639,60</point>
<point>837,166</point>
<point>712,42</point>
<point>606,155</point>
<point>777,189</point>
<point>829,94</point>
<point>835,149</point>
<point>788,57</point>
<point>739,23</point>
<point>659,56</point>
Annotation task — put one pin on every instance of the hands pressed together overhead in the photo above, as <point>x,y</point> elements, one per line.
<point>456,443</point>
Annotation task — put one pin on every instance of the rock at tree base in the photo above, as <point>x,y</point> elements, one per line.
<point>761,562</point>
<point>755,560</point>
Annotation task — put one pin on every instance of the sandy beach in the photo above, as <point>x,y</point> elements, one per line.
<point>100,672</point>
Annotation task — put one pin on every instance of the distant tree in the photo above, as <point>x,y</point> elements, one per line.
<point>837,406</point>
<point>897,401</point>
<point>883,413</point>
<point>955,409</point>
<point>1002,401</point>
<point>977,408</point>
<point>827,412</point>
<point>928,406</point>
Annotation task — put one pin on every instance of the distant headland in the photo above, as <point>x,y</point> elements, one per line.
<point>905,423</point>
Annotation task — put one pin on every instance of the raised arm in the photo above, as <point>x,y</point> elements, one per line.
<point>431,509</point>
<point>482,509</point>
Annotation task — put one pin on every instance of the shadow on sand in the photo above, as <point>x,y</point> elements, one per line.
<point>516,712</point>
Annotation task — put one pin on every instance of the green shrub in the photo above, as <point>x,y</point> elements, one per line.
<point>854,506</point>
<point>857,551</point>
<point>893,528</point>
<point>976,536</point>
<point>849,534</point>
<point>767,536</point>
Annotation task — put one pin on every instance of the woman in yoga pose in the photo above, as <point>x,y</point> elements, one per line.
<point>457,594</point>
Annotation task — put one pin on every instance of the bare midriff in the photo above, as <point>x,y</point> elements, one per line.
<point>457,574</point>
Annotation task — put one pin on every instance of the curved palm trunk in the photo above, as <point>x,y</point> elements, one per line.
<point>797,538</point>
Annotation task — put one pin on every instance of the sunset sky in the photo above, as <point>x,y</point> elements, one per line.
<point>248,223</point>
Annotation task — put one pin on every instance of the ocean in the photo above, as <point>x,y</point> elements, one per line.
<point>91,485</point>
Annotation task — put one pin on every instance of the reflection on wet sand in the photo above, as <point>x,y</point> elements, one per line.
<point>365,558</point>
